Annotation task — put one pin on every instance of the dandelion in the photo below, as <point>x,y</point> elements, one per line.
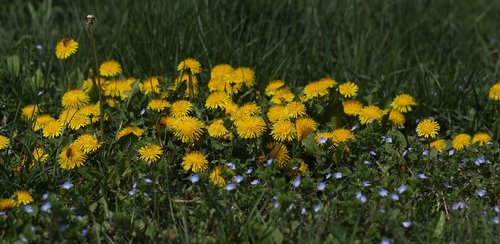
<point>42,120</point>
<point>243,75</point>
<point>250,127</point>
<point>110,68</point>
<point>87,85</point>
<point>150,85</point>
<point>53,129</point>
<point>428,128</point>
<point>4,142</point>
<point>278,153</point>
<point>23,197</point>
<point>283,95</point>
<point>187,129</point>
<point>494,93</point>
<point>348,89</point>
<point>396,118</point>
<point>273,86</point>
<point>217,175</point>
<point>275,113</point>
<point>65,48</point>
<point>439,145</point>
<point>283,130</point>
<point>158,104</point>
<point>352,107</point>
<point>248,109</point>
<point>150,152</point>
<point>341,135</point>
<point>305,126</point>
<point>78,121</point>
<point>195,161</point>
<point>191,83</point>
<point>217,75</point>
<point>132,129</point>
<point>181,108</point>
<point>189,64</point>
<point>461,141</point>
<point>217,130</point>
<point>88,143</point>
<point>217,100</point>
<point>317,89</point>
<point>7,203</point>
<point>39,155</point>
<point>75,99</point>
<point>294,110</point>
<point>481,138</point>
<point>29,111</point>
<point>370,113</point>
<point>403,102</point>
<point>71,157</point>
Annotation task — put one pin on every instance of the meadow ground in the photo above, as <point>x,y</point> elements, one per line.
<point>250,121</point>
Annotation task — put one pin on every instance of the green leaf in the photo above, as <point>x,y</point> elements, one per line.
<point>13,65</point>
<point>438,230</point>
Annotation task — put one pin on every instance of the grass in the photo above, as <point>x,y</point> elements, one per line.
<point>443,53</point>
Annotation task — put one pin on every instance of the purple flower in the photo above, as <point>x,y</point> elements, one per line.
<point>67,185</point>
<point>451,152</point>
<point>458,205</point>
<point>425,152</point>
<point>481,192</point>
<point>255,182</point>
<point>373,153</point>
<point>276,204</point>
<point>45,196</point>
<point>231,166</point>
<point>322,140</point>
<point>38,46</point>
<point>479,161</point>
<point>388,139</point>
<point>321,186</point>
<point>366,183</point>
<point>361,197</point>
<point>302,210</point>
<point>46,207</point>
<point>296,182</point>
<point>148,180</point>
<point>421,176</point>
<point>337,175</point>
<point>354,127</point>
<point>194,178</point>
<point>383,192</point>
<point>394,196</point>
<point>407,224</point>
<point>230,187</point>
<point>143,110</point>
<point>385,241</point>
<point>496,209</point>
<point>28,209</point>
<point>249,171</point>
<point>238,179</point>
<point>402,188</point>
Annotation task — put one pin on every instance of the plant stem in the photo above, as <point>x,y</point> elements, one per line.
<point>97,77</point>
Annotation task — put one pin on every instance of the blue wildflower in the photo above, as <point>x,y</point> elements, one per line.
<point>407,224</point>
<point>481,192</point>
<point>238,179</point>
<point>317,207</point>
<point>255,182</point>
<point>28,209</point>
<point>402,188</point>
<point>421,176</point>
<point>322,140</point>
<point>231,166</point>
<point>46,207</point>
<point>394,196</point>
<point>366,183</point>
<point>194,178</point>
<point>337,175</point>
<point>458,205</point>
<point>296,182</point>
<point>361,197</point>
<point>321,186</point>
<point>383,192</point>
<point>230,187</point>
<point>67,185</point>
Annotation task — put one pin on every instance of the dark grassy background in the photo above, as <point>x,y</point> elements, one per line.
<point>445,53</point>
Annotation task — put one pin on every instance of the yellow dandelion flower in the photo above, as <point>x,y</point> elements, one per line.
<point>188,79</point>
<point>461,141</point>
<point>53,129</point>
<point>341,135</point>
<point>231,108</point>
<point>403,102</point>
<point>66,115</point>
<point>317,89</point>
<point>88,143</point>
<point>110,68</point>
<point>4,142</point>
<point>305,126</point>
<point>481,138</point>
<point>87,85</point>
<point>273,86</point>
<point>279,154</point>
<point>41,120</point>
<point>167,121</point>
<point>396,118</point>
<point>158,104</point>
<point>111,102</point>
<point>283,130</point>
<point>370,113</point>
<point>120,88</point>
<point>23,197</point>
<point>248,109</point>
<point>39,155</point>
<point>217,84</point>
<point>7,203</point>
<point>150,152</point>
<point>91,110</point>
<point>78,121</point>
<point>217,100</point>
<point>294,110</point>
<point>65,48</point>
<point>439,145</point>
<point>195,161</point>
<point>187,129</point>
<point>428,128</point>
<point>217,176</point>
<point>150,85</point>
<point>348,89</point>
<point>283,95</point>
<point>275,113</point>
<point>323,136</point>
<point>181,108</point>
<point>494,93</point>
<point>131,129</point>
<point>28,112</point>
<point>71,157</point>
<point>251,127</point>
<point>189,64</point>
<point>217,78</point>
<point>75,99</point>
<point>242,75</point>
<point>218,130</point>
<point>352,107</point>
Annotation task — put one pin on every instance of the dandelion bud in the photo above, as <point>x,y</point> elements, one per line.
<point>90,20</point>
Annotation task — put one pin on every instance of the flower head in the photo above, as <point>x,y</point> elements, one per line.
<point>39,155</point>
<point>481,138</point>
<point>305,126</point>
<point>428,128</point>
<point>342,135</point>
<point>242,75</point>
<point>217,175</point>
<point>403,103</point>
<point>283,130</point>
<point>218,130</point>
<point>352,107</point>
<point>494,93</point>
<point>181,108</point>
<point>7,203</point>
<point>273,86</point>
<point>217,100</point>
<point>53,129</point>
<point>250,127</point>
<point>370,113</point>
<point>461,141</point>
<point>23,197</point>
<point>279,154</point>
<point>88,143</point>
<point>150,152</point>
<point>187,129</point>
<point>317,89</point>
<point>29,111</point>
<point>4,142</point>
<point>294,110</point>
<point>158,104</point>
<point>41,120</point>
<point>75,99</point>
<point>65,48</point>
<point>348,89</point>
<point>110,68</point>
<point>131,129</point>
<point>283,95</point>
<point>195,161</point>
<point>71,157</point>
<point>397,118</point>
<point>150,85</point>
<point>439,145</point>
<point>189,64</point>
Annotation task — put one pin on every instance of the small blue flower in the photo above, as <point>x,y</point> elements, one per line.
<point>451,152</point>
<point>40,93</point>
<point>407,224</point>
<point>328,176</point>
<point>388,139</point>
<point>84,233</point>
<point>194,178</point>
<point>79,218</point>
<point>143,110</point>
<point>317,207</point>
<point>479,161</point>
<point>458,205</point>
<point>3,214</point>
<point>255,182</point>
<point>132,192</point>
<point>383,192</point>
<point>337,175</point>
<point>231,166</point>
<point>394,196</point>
<point>354,127</point>
<point>496,220</point>
<point>230,187</point>
<point>249,171</point>
<point>296,182</point>
<point>373,153</point>
<point>481,192</point>
<point>425,152</point>
<point>238,179</point>
<point>45,196</point>
<point>366,183</point>
<point>421,176</point>
<point>496,209</point>
<point>67,185</point>
<point>361,197</point>
<point>402,188</point>
<point>447,185</point>
<point>385,241</point>
<point>276,204</point>
<point>405,152</point>
<point>38,46</point>
<point>367,162</point>
<point>302,210</point>
<point>28,209</point>
<point>148,180</point>
<point>291,206</point>
<point>322,140</point>
<point>46,207</point>
<point>321,186</point>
